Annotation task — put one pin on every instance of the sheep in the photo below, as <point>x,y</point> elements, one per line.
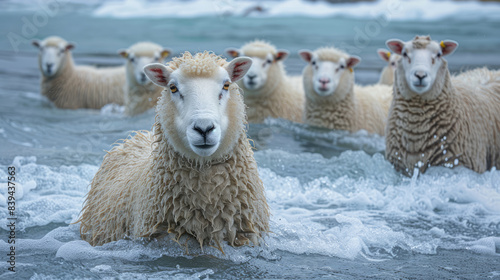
<point>333,100</point>
<point>194,174</point>
<point>71,87</point>
<point>140,93</point>
<point>387,75</point>
<point>269,92</point>
<point>439,120</point>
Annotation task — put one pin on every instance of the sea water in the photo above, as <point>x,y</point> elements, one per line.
<point>339,210</point>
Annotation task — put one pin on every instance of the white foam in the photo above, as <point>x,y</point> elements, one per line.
<point>112,109</point>
<point>44,194</point>
<point>423,10</point>
<point>487,245</point>
<point>347,206</point>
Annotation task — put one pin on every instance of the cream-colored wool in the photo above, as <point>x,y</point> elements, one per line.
<point>387,75</point>
<point>140,97</point>
<point>148,186</point>
<point>458,123</point>
<point>350,107</point>
<point>75,86</point>
<point>281,97</point>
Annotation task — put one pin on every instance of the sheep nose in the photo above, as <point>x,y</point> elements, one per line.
<point>49,66</point>
<point>143,77</point>
<point>204,129</point>
<point>324,81</point>
<point>251,77</point>
<point>420,75</point>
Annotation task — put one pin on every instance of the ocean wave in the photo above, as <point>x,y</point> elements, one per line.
<point>398,10</point>
<point>358,207</point>
<point>410,10</point>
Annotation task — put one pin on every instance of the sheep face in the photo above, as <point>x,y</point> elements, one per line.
<point>201,110</point>
<point>391,58</point>
<point>52,55</point>
<point>421,61</point>
<point>257,76</point>
<point>327,74</point>
<point>136,61</point>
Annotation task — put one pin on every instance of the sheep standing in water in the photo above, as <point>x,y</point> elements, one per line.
<point>193,174</point>
<point>140,93</point>
<point>269,92</point>
<point>387,75</point>
<point>71,86</point>
<point>439,120</point>
<point>334,101</point>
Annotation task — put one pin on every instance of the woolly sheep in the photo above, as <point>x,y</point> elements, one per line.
<point>71,87</point>
<point>269,92</point>
<point>193,174</point>
<point>140,93</point>
<point>387,75</point>
<point>439,120</point>
<point>333,100</point>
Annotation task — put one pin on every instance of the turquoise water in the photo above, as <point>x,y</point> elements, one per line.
<point>339,210</point>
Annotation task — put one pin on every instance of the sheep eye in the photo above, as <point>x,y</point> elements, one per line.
<point>226,86</point>
<point>157,59</point>
<point>405,54</point>
<point>173,89</point>
<point>439,55</point>
<point>269,61</point>
<point>61,52</point>
<point>342,66</point>
<point>132,59</point>
<point>313,63</point>
<point>392,63</point>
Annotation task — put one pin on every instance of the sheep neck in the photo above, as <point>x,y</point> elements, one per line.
<point>387,76</point>
<point>52,86</point>
<point>332,113</point>
<point>219,200</point>
<point>268,100</point>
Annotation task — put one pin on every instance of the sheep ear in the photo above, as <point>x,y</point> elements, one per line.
<point>238,67</point>
<point>306,55</point>
<point>232,52</point>
<point>165,53</point>
<point>70,46</point>
<point>281,55</point>
<point>448,46</point>
<point>352,61</point>
<point>158,73</point>
<point>384,54</point>
<point>36,43</point>
<point>395,45</point>
<point>123,53</point>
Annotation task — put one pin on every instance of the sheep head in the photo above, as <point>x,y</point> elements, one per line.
<point>52,54</point>
<point>140,55</point>
<point>200,111</point>
<point>422,62</point>
<point>391,58</point>
<point>329,72</point>
<point>265,57</point>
